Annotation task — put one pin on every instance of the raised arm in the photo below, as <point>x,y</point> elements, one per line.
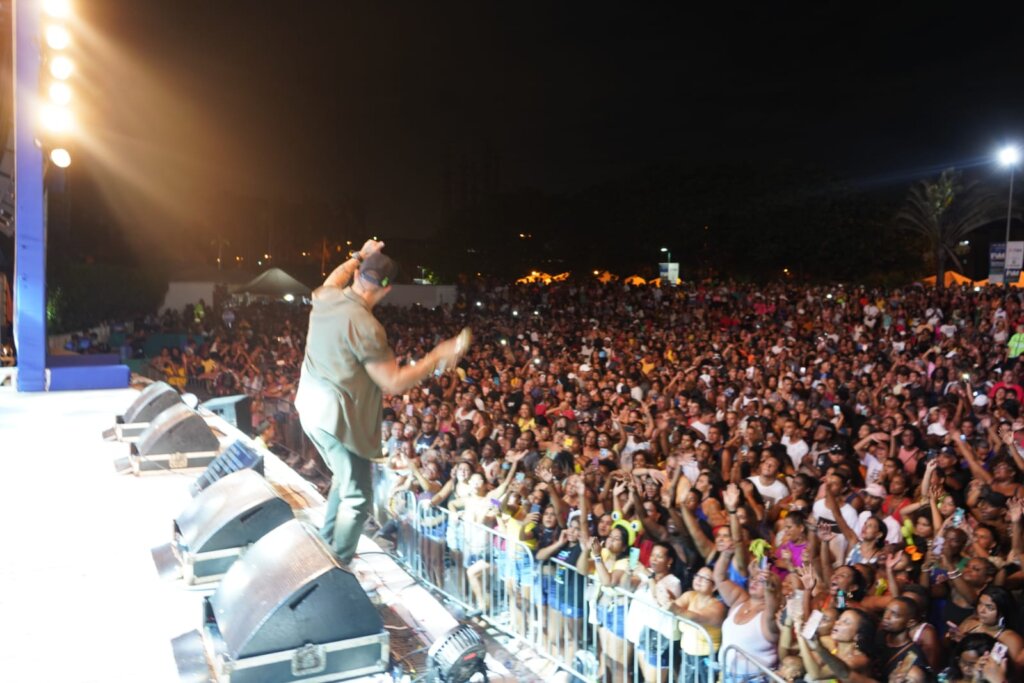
<point>444,493</point>
<point>731,498</point>
<point>503,487</point>
<point>844,528</point>
<point>1014,448</point>
<point>772,597</point>
<point>425,484</point>
<point>342,275</point>
<point>972,462</point>
<point>825,535</point>
<point>581,492</point>
<point>395,379</point>
<point>705,546</point>
<point>555,495</point>
<point>730,592</point>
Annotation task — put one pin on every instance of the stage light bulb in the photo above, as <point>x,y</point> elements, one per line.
<point>60,9</point>
<point>1009,155</point>
<point>57,37</point>
<point>61,68</point>
<point>60,157</point>
<point>56,119</point>
<point>60,93</point>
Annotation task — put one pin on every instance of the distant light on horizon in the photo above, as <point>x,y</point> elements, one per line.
<point>1009,155</point>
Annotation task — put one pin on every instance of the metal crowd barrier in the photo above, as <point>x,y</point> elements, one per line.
<point>739,666</point>
<point>590,631</point>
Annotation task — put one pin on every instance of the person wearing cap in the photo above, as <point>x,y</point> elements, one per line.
<point>347,368</point>
<point>873,495</point>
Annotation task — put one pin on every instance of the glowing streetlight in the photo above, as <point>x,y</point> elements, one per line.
<point>58,9</point>
<point>664,250</point>
<point>57,37</point>
<point>60,93</point>
<point>61,67</point>
<point>1009,156</point>
<point>60,157</point>
<point>56,119</point>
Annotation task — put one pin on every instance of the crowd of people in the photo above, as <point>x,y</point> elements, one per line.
<point>829,477</point>
<point>254,349</point>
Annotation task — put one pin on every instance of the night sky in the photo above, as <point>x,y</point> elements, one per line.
<point>219,113</point>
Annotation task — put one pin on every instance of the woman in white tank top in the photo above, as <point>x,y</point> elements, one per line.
<point>750,624</point>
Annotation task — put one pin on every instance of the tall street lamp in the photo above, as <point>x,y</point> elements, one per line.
<point>1008,156</point>
<point>665,250</point>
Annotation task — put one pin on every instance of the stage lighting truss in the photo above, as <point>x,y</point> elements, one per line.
<point>55,116</point>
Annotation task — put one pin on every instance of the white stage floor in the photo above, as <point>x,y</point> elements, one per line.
<point>81,601</point>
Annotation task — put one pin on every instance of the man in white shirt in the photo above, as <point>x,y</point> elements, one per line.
<point>822,514</point>
<point>704,422</point>
<point>873,496</point>
<point>466,409</point>
<point>766,482</point>
<point>793,440</point>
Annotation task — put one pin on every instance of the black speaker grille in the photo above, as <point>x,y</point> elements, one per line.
<point>287,591</point>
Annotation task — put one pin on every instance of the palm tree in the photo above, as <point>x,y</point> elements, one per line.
<point>944,212</point>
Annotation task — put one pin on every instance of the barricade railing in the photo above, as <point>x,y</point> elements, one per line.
<point>739,666</point>
<point>568,618</point>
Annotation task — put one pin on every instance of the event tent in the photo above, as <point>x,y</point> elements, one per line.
<point>274,282</point>
<point>951,279</point>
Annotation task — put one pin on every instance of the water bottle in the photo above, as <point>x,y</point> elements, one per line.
<point>841,599</point>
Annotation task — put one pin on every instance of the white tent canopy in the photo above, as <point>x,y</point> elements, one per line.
<point>274,282</point>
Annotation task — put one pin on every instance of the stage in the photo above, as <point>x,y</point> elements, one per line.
<point>82,601</point>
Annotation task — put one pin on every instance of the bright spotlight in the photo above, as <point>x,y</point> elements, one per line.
<point>289,297</point>
<point>61,67</point>
<point>60,93</point>
<point>59,9</point>
<point>1009,155</point>
<point>57,37</point>
<point>56,119</point>
<point>60,157</point>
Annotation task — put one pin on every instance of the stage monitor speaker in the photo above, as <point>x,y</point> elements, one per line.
<point>223,520</point>
<point>151,401</point>
<point>179,429</point>
<point>237,456</point>
<point>237,410</point>
<point>288,611</point>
